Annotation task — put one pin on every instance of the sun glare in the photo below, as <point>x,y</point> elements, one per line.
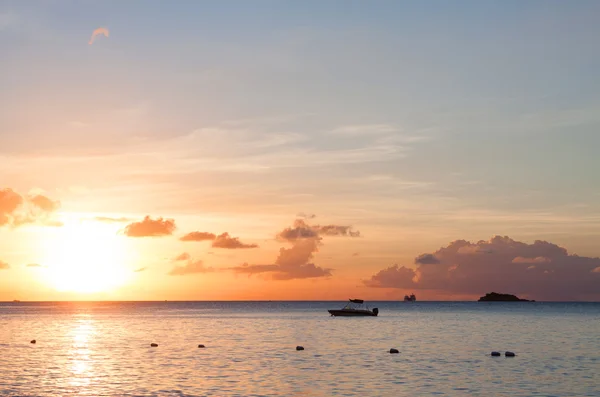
<point>85,257</point>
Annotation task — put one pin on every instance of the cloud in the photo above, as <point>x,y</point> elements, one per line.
<point>107,219</point>
<point>150,228</point>
<point>540,270</point>
<point>426,259</point>
<point>292,263</point>
<point>302,230</point>
<point>296,262</point>
<point>141,269</point>
<point>16,210</point>
<point>98,32</point>
<point>356,254</point>
<point>198,236</point>
<point>44,203</point>
<point>34,265</point>
<point>225,241</point>
<point>9,202</point>
<point>4,265</point>
<point>191,267</point>
<point>182,257</point>
<point>538,259</point>
<point>305,215</point>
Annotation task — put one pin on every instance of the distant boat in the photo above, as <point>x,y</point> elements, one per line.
<point>411,298</point>
<point>354,307</point>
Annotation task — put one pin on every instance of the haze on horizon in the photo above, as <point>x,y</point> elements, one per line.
<point>299,150</point>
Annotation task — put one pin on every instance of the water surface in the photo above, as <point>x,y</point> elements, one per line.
<point>103,349</point>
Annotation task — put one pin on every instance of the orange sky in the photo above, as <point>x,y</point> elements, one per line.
<point>307,153</point>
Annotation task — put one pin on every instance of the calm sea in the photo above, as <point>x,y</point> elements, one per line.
<point>103,349</point>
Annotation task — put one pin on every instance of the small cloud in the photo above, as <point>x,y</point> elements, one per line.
<point>302,230</point>
<point>97,32</point>
<point>4,265</point>
<point>192,267</point>
<point>426,259</point>
<point>150,228</point>
<point>304,215</point>
<point>228,242</point>
<point>198,236</point>
<point>182,257</point>
<point>141,269</point>
<point>44,203</point>
<point>356,254</point>
<point>9,202</point>
<point>108,219</point>
<point>34,265</point>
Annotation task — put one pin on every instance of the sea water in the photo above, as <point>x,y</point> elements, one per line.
<point>103,349</point>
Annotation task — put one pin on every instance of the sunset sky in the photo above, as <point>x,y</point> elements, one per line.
<point>154,150</point>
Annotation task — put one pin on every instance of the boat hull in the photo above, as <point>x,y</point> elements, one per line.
<point>352,313</point>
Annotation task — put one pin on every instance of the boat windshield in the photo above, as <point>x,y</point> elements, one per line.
<point>356,304</point>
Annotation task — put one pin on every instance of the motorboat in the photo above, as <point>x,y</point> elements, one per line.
<point>354,307</point>
<point>411,298</point>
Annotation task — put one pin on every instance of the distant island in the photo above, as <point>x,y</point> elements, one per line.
<point>496,297</point>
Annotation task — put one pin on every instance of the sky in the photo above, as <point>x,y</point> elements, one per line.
<point>267,150</point>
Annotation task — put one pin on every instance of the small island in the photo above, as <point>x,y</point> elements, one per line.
<point>496,297</point>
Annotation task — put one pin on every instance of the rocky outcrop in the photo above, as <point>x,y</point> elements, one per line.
<point>496,297</point>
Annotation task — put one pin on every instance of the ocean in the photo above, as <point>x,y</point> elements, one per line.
<point>103,349</point>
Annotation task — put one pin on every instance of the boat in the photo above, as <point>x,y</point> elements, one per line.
<point>411,298</point>
<point>354,307</point>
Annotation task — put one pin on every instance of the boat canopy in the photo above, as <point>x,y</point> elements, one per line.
<point>359,301</point>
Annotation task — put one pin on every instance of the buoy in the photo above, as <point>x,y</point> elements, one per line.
<point>299,348</point>
<point>201,346</point>
<point>495,354</point>
<point>509,354</point>
<point>394,351</point>
<point>153,344</point>
<point>33,341</point>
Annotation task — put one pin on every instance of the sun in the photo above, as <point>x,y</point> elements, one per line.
<point>85,257</point>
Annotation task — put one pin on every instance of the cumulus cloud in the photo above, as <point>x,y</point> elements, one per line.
<point>540,270</point>
<point>4,265</point>
<point>17,210</point>
<point>296,262</point>
<point>224,240</point>
<point>198,236</point>
<point>149,227</point>
<point>97,32</point>
<point>292,263</point>
<point>191,267</point>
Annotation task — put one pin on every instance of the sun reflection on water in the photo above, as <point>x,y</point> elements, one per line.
<point>81,362</point>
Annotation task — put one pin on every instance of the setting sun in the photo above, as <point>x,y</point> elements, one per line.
<point>85,257</point>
